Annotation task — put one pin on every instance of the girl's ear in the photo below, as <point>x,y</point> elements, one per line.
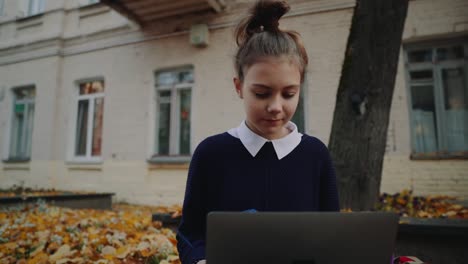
<point>238,86</point>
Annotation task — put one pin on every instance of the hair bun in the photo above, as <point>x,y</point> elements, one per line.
<point>263,16</point>
<point>266,14</point>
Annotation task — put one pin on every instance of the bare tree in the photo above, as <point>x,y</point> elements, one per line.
<point>363,101</point>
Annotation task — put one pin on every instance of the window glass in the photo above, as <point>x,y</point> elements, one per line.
<point>420,56</point>
<point>22,123</point>
<point>450,53</point>
<point>185,99</point>
<point>97,126</point>
<point>82,128</point>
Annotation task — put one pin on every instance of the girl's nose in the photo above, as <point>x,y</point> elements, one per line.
<point>274,106</point>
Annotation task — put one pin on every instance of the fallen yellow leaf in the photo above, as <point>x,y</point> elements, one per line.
<point>108,251</point>
<point>62,252</point>
<point>122,252</point>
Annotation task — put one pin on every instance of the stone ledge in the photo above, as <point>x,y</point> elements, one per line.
<point>77,201</point>
<point>435,227</point>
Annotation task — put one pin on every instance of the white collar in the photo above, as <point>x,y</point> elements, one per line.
<point>253,142</point>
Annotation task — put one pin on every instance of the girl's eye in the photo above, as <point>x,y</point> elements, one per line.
<point>289,95</point>
<point>261,95</point>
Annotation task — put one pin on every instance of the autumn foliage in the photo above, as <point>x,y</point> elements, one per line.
<point>44,234</point>
<point>432,206</point>
<point>40,233</point>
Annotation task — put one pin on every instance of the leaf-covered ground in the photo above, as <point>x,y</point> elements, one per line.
<point>41,233</point>
<point>44,234</point>
<point>432,206</point>
<point>174,210</point>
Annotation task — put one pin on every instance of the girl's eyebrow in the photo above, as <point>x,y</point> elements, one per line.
<point>261,85</point>
<point>268,87</point>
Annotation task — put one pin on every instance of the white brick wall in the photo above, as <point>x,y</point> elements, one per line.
<point>425,177</point>
<point>128,71</point>
<point>427,20</point>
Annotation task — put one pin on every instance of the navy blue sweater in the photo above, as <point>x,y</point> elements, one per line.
<point>223,176</point>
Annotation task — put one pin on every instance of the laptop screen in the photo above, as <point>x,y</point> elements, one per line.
<point>300,238</point>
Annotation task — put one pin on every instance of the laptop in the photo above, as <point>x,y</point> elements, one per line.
<point>300,237</point>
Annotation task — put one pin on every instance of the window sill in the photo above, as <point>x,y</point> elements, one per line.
<point>434,157</point>
<point>29,22</point>
<point>169,159</point>
<point>84,166</point>
<point>169,163</point>
<point>17,160</point>
<point>168,166</point>
<point>16,165</point>
<point>28,18</point>
<point>85,161</point>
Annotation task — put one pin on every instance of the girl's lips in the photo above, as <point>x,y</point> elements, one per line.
<point>273,121</point>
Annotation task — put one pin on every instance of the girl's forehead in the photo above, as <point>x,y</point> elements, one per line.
<point>275,73</point>
<point>276,60</point>
<point>272,62</point>
<point>273,65</point>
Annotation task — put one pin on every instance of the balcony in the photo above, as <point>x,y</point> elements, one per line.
<point>145,12</point>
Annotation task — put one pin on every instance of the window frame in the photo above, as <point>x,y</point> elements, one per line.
<point>174,128</point>
<point>35,7</point>
<point>87,158</point>
<point>28,141</point>
<point>436,67</point>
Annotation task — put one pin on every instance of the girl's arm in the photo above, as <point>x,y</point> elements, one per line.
<point>328,190</point>
<point>192,229</point>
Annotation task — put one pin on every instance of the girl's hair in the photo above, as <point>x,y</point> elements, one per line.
<point>258,36</point>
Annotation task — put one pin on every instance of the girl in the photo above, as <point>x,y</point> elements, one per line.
<point>265,163</point>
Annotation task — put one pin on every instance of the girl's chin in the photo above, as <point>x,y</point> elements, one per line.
<point>273,123</point>
<point>272,132</point>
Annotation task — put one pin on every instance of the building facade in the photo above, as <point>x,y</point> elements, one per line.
<point>94,100</point>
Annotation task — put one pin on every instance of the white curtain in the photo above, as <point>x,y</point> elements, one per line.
<point>424,131</point>
<point>457,130</point>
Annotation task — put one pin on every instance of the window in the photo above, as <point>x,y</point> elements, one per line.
<point>89,120</point>
<point>2,4</point>
<point>22,123</point>
<point>35,7</point>
<point>173,111</point>
<point>438,90</point>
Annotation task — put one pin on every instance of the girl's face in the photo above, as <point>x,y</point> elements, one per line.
<point>270,91</point>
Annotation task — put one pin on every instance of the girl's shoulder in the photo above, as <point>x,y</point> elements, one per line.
<point>222,138</point>
<point>311,142</point>
<point>218,142</point>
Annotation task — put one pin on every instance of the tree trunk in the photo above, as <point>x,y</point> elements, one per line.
<point>363,101</point>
